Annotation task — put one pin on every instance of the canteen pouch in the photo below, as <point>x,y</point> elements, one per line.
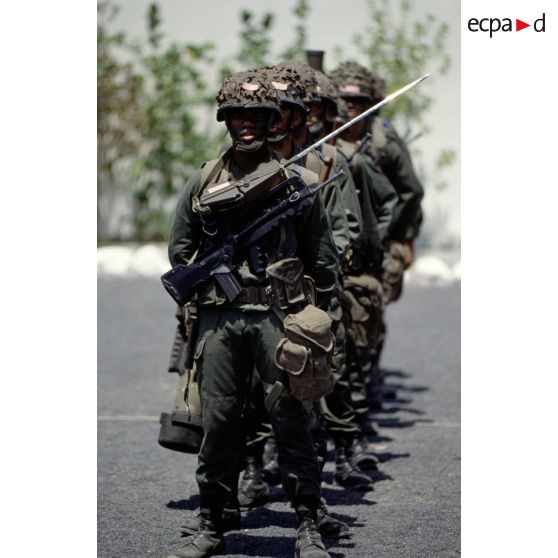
<point>305,354</point>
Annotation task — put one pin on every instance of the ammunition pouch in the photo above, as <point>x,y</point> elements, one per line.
<point>211,294</point>
<point>305,354</point>
<point>394,269</point>
<point>364,295</point>
<point>289,287</point>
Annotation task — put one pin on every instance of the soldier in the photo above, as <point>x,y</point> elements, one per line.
<point>336,410</point>
<point>236,336</point>
<point>363,280</point>
<point>392,156</point>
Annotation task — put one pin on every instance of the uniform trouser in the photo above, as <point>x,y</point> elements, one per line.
<point>392,285</point>
<point>337,408</point>
<point>231,342</point>
<point>363,309</point>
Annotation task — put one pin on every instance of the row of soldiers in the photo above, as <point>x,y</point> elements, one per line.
<point>291,359</point>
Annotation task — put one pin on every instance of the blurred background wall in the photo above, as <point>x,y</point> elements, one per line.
<point>160,65</point>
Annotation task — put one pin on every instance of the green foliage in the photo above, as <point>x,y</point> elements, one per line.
<point>119,114</point>
<point>297,51</point>
<point>173,146</point>
<point>400,48</point>
<point>148,109</point>
<point>255,41</point>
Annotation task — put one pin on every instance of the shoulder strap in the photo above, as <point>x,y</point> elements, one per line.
<point>210,171</point>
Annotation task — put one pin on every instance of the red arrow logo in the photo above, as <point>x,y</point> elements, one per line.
<point>519,25</point>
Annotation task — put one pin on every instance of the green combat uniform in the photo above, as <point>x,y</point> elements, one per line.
<point>392,156</point>
<point>234,337</point>
<point>362,282</point>
<point>337,410</point>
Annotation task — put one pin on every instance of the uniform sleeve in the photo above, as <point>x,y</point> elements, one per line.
<point>318,252</point>
<point>350,199</point>
<point>383,195</point>
<point>185,234</point>
<point>335,208</point>
<point>398,167</point>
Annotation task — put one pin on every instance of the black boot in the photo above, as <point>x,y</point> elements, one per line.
<point>347,474</point>
<point>329,526</point>
<point>252,491</point>
<point>270,472</point>
<point>207,541</point>
<point>229,522</point>
<point>308,539</point>
<point>361,455</point>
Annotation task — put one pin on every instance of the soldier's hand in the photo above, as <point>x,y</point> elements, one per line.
<point>409,253</point>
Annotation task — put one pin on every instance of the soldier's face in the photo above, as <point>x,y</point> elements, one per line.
<point>248,125</point>
<point>281,126</point>
<point>322,111</point>
<point>356,105</point>
<point>316,113</point>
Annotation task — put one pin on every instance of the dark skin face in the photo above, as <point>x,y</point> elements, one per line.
<point>281,126</point>
<point>324,112</point>
<point>290,117</point>
<point>356,106</point>
<point>247,126</point>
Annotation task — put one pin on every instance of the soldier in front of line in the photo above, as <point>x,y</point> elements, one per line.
<point>248,332</point>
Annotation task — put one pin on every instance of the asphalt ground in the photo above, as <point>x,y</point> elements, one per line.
<point>145,491</point>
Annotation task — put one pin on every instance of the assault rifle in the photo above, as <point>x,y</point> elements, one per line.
<point>182,280</point>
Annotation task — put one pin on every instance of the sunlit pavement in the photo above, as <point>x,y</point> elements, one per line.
<point>145,491</point>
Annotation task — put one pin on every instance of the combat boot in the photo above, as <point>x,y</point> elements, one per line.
<point>229,522</point>
<point>309,541</point>
<point>252,491</point>
<point>329,526</point>
<point>270,472</point>
<point>206,542</point>
<point>347,474</point>
<point>362,457</point>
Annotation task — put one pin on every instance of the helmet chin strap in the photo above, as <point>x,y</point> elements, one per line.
<point>248,147</point>
<point>315,128</point>
<point>277,139</point>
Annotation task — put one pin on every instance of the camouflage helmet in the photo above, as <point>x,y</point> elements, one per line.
<point>326,89</point>
<point>352,80</point>
<point>248,89</point>
<point>303,73</point>
<point>289,86</point>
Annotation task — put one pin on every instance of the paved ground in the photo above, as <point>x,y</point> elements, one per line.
<point>145,491</point>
